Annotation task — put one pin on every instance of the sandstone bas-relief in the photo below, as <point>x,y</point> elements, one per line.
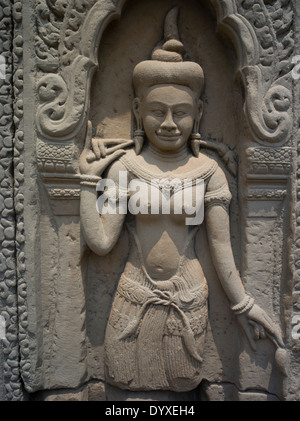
<point>155,334</point>
<point>49,287</point>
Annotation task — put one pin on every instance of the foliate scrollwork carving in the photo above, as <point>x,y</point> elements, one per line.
<point>62,108</point>
<point>74,19</point>
<point>268,113</point>
<point>267,80</point>
<point>272,21</point>
<point>63,89</point>
<point>49,20</point>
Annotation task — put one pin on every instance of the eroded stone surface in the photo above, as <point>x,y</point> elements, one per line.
<point>57,294</point>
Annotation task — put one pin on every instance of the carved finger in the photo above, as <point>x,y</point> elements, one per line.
<point>89,135</point>
<point>102,147</point>
<point>120,146</point>
<point>90,156</point>
<point>255,330</point>
<point>276,339</point>
<point>116,155</point>
<point>121,142</point>
<point>96,149</point>
<point>262,332</point>
<point>260,317</point>
<point>279,340</point>
<point>272,331</point>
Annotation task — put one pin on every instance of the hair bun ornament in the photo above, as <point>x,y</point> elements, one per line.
<point>172,49</point>
<point>167,65</point>
<point>170,52</point>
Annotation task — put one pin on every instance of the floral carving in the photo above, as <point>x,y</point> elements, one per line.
<point>269,104</point>
<point>49,21</point>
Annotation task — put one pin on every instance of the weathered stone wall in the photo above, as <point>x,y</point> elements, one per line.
<point>67,62</point>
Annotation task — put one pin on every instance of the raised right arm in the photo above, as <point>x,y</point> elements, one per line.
<point>101,232</point>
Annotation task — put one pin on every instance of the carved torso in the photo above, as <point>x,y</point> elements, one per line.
<point>162,285</point>
<point>164,233</point>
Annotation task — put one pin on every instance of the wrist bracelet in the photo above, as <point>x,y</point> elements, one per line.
<point>245,305</point>
<point>89,180</point>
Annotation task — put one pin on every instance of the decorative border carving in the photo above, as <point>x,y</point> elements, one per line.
<point>54,158</point>
<point>8,279</point>
<point>266,194</point>
<point>64,193</point>
<point>18,161</point>
<point>266,162</point>
<point>57,193</point>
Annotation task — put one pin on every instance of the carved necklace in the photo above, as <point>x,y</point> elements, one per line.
<point>168,179</point>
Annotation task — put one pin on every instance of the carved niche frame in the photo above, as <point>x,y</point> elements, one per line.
<point>66,45</point>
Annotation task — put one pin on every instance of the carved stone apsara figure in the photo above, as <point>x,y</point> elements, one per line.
<point>156,329</point>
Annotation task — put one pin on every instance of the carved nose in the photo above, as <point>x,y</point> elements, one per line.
<point>168,123</point>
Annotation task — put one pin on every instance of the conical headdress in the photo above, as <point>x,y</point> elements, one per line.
<point>166,65</point>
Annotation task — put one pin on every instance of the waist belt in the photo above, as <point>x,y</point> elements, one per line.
<point>141,295</point>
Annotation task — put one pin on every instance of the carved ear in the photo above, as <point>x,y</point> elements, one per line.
<point>198,117</point>
<point>139,132</point>
<point>136,111</point>
<point>195,136</point>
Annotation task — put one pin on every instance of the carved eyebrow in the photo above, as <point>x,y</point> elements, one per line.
<point>163,104</point>
<point>183,104</point>
<point>157,103</point>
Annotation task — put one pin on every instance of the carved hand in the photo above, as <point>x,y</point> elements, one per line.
<point>96,157</point>
<point>258,325</point>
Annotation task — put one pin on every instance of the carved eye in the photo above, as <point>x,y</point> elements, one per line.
<point>158,113</point>
<point>179,114</point>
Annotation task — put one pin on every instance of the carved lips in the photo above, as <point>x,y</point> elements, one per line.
<point>168,135</point>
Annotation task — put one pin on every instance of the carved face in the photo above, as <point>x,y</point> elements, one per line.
<point>168,114</point>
